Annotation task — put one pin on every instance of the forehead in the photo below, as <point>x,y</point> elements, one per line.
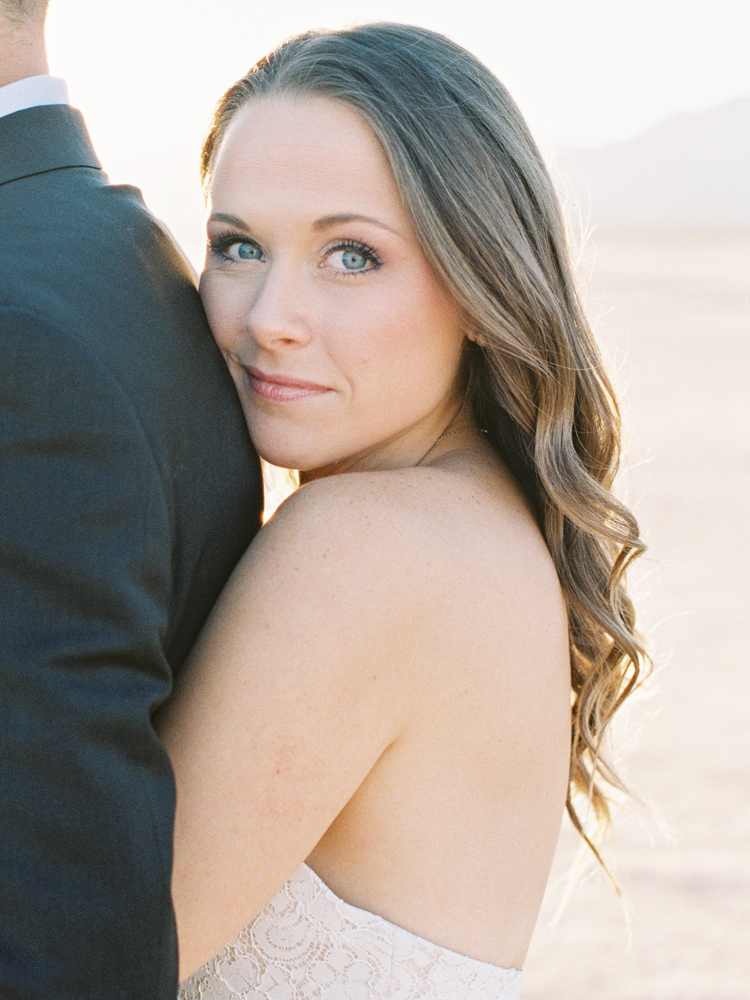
<point>310,147</point>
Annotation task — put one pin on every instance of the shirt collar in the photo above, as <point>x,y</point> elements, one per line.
<point>32,92</point>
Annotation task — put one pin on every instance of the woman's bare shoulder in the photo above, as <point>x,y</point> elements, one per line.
<point>365,510</point>
<point>445,572</point>
<point>409,525</point>
<point>359,523</point>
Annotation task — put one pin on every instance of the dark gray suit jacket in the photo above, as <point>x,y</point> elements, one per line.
<point>128,491</point>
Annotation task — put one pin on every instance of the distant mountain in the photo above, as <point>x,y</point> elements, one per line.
<point>692,171</point>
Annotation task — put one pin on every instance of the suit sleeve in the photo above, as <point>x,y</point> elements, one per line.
<point>86,790</point>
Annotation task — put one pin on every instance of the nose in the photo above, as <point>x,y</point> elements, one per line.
<point>275,317</point>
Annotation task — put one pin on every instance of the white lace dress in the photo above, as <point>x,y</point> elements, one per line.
<point>307,944</point>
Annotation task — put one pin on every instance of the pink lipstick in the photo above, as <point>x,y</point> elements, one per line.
<point>280,388</point>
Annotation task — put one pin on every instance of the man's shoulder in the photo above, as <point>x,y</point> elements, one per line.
<point>54,195</point>
<point>43,139</point>
<point>90,253</point>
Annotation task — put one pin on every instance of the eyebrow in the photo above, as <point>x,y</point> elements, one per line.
<point>231,219</point>
<point>335,220</point>
<point>325,223</point>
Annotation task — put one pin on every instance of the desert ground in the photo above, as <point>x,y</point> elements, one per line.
<point>673,315</point>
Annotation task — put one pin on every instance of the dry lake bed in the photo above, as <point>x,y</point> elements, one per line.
<point>673,315</point>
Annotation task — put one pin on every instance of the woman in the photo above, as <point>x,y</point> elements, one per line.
<point>372,741</point>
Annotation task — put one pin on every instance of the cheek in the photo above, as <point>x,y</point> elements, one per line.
<point>442,329</point>
<point>404,351</point>
<point>421,329</point>
<point>222,311</point>
<point>408,336</point>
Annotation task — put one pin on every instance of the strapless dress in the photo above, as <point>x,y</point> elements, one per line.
<point>307,944</point>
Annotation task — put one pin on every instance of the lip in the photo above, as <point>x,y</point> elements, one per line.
<point>281,388</point>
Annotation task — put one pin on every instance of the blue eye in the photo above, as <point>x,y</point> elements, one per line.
<point>353,260</point>
<point>234,248</point>
<point>247,251</point>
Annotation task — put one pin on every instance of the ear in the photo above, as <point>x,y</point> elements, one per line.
<point>477,338</point>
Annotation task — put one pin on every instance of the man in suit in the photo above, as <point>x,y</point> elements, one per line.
<point>128,491</point>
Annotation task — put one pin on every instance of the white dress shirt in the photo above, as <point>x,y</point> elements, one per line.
<point>32,92</point>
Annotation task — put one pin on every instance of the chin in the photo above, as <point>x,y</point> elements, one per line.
<point>295,459</point>
<point>286,449</point>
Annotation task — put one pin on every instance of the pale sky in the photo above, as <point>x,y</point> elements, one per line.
<point>147,73</point>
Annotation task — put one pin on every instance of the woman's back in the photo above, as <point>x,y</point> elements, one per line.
<point>472,790</point>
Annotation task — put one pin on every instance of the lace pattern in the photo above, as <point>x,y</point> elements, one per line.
<point>307,944</point>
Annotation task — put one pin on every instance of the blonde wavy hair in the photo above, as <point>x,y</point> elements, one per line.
<point>487,216</point>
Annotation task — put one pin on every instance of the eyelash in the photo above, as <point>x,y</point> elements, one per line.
<point>220,243</point>
<point>363,248</point>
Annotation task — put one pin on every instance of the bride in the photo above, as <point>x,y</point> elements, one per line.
<point>372,738</point>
